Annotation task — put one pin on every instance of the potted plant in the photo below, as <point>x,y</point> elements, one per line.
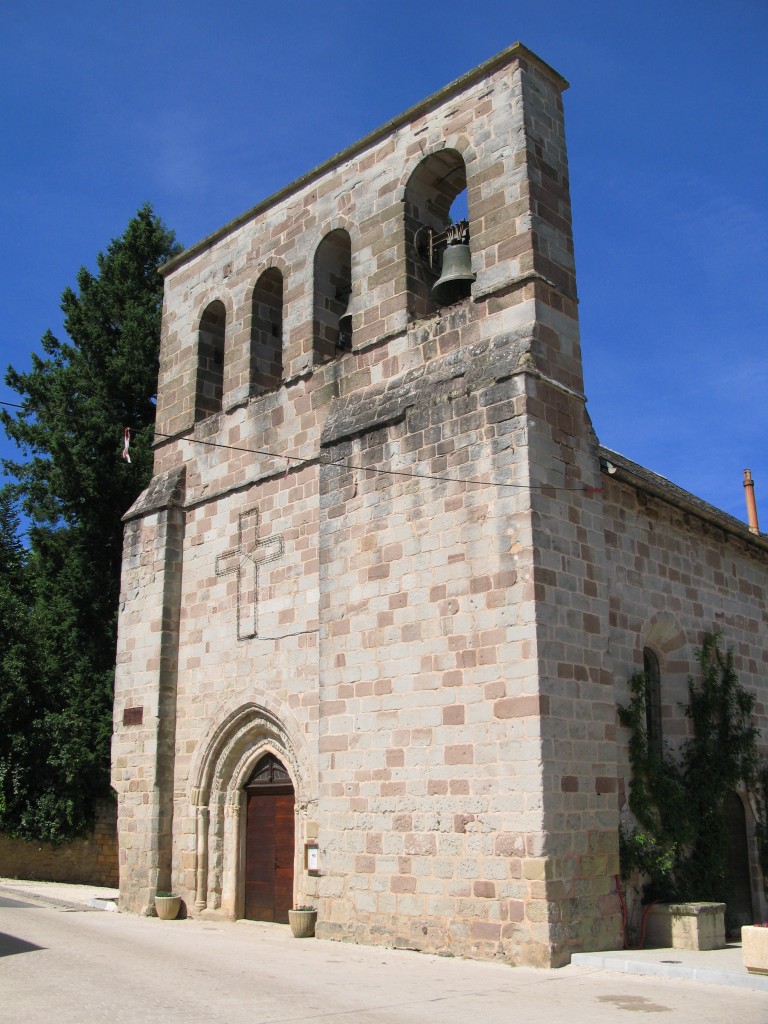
<point>167,905</point>
<point>302,920</point>
<point>754,947</point>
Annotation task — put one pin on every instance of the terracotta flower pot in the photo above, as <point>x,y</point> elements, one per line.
<point>754,949</point>
<point>302,923</point>
<point>167,907</point>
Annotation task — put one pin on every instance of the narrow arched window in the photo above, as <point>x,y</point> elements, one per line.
<point>209,389</point>
<point>266,363</point>
<point>652,700</point>
<point>333,288</point>
<point>432,229</point>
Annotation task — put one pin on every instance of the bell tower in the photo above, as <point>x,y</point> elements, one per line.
<point>392,403</point>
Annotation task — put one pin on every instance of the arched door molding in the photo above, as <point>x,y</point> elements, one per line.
<point>243,732</point>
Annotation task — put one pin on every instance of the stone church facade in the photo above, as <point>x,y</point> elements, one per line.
<point>385,589</point>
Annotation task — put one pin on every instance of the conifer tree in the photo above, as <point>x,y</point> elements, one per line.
<point>74,487</point>
<point>16,683</point>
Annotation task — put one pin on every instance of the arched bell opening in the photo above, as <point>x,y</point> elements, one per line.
<point>332,330</point>
<point>266,354</point>
<point>438,256</point>
<point>209,383</point>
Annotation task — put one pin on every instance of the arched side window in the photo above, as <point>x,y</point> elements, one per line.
<point>429,197</point>
<point>209,388</point>
<point>333,288</point>
<point>266,356</point>
<point>652,700</point>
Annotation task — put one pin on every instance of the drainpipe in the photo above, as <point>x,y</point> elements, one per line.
<point>749,493</point>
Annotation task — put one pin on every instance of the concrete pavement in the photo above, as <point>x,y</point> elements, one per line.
<point>62,894</point>
<point>60,964</point>
<point>714,967</point>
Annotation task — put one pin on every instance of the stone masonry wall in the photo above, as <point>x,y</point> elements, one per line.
<point>91,860</point>
<point>574,857</point>
<point>430,772</point>
<point>673,576</point>
<point>143,742</point>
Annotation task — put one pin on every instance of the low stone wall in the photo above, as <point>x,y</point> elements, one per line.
<point>686,926</point>
<point>92,860</point>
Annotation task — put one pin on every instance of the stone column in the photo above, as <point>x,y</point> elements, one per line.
<point>201,874</point>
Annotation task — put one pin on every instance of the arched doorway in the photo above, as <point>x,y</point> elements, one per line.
<point>229,756</point>
<point>269,842</point>
<point>738,909</point>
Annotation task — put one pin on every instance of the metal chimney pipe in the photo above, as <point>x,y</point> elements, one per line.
<point>749,493</point>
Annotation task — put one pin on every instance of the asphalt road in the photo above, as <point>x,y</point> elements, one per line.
<point>88,967</point>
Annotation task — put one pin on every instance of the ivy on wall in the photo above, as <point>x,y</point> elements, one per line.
<point>680,840</point>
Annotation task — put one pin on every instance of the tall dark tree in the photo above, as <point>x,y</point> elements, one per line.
<point>74,487</point>
<point>17,695</point>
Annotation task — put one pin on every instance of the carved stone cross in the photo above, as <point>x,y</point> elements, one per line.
<point>244,561</point>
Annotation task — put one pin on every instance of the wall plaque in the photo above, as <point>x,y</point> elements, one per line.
<point>311,858</point>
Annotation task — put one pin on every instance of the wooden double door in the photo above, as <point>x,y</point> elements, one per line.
<point>269,843</point>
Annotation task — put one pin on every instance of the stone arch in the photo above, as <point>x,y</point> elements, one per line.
<point>243,731</point>
<point>275,263</point>
<point>207,299</point>
<point>271,262</point>
<point>339,223</point>
<point>664,635</point>
<point>460,143</point>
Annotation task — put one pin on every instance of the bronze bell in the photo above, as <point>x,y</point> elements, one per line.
<point>354,306</point>
<point>456,276</point>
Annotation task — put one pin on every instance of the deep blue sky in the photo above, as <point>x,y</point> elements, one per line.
<point>205,108</point>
